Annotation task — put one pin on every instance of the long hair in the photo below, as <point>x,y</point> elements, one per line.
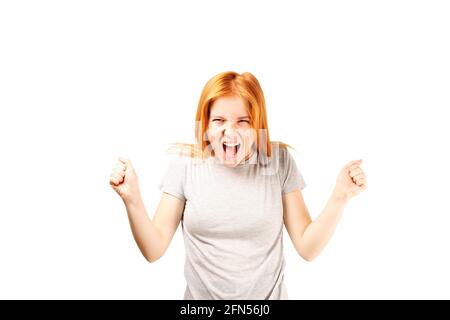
<point>245,86</point>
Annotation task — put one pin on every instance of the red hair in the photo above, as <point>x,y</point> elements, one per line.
<point>245,86</point>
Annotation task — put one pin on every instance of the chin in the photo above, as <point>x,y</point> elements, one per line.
<point>231,162</point>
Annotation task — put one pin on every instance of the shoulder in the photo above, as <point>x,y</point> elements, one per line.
<point>184,150</point>
<point>178,163</point>
<point>278,160</point>
<point>288,172</point>
<point>280,153</point>
<point>283,158</point>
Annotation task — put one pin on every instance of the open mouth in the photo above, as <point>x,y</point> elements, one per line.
<point>231,149</point>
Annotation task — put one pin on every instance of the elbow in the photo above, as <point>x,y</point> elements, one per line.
<point>307,252</point>
<point>152,257</point>
<point>151,254</point>
<point>308,258</point>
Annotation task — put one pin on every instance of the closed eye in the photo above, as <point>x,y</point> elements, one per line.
<point>221,120</point>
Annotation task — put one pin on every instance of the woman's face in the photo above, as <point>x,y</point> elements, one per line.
<point>229,130</point>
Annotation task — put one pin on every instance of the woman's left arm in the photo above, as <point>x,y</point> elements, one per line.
<point>310,237</point>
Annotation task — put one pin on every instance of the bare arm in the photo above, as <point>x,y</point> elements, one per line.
<point>310,238</point>
<point>152,236</point>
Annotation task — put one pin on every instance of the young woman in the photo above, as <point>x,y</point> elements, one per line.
<point>233,190</point>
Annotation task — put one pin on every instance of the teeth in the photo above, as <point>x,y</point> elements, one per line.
<point>229,145</point>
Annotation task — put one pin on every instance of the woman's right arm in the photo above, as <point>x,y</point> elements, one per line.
<point>152,237</point>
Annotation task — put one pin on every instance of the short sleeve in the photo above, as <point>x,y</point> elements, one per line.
<point>173,180</point>
<point>290,177</point>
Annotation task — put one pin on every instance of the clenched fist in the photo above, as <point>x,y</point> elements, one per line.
<point>351,180</point>
<point>123,180</point>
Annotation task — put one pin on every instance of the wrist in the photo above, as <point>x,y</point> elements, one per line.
<point>133,201</point>
<point>339,196</point>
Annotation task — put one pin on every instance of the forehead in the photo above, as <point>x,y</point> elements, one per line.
<point>232,106</point>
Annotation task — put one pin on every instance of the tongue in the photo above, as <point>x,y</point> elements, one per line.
<point>230,151</point>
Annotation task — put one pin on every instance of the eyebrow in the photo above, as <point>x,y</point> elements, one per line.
<point>243,117</point>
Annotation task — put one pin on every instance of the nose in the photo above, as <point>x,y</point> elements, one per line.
<point>229,129</point>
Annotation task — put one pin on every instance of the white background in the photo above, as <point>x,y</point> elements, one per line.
<point>83,82</point>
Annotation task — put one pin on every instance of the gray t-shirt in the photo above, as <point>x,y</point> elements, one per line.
<point>233,224</point>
